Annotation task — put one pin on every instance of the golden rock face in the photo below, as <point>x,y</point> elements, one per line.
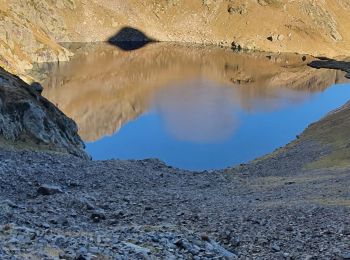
<point>32,31</point>
<point>104,87</point>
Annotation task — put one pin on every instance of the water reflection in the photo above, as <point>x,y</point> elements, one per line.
<point>197,114</point>
<point>186,93</point>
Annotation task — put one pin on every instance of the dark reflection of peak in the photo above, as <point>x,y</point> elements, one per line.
<point>102,87</point>
<point>130,46</point>
<point>325,63</point>
<point>129,39</point>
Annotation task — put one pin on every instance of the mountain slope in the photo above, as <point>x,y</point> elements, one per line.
<point>30,31</point>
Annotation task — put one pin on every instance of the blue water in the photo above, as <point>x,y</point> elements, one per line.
<point>203,126</point>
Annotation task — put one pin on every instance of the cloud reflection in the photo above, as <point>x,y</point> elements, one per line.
<point>197,111</point>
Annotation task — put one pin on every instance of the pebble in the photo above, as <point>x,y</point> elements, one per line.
<point>276,248</point>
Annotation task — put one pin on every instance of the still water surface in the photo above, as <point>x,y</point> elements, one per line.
<point>193,107</point>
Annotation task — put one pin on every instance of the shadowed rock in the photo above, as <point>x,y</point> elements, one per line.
<point>37,87</point>
<point>47,190</point>
<point>29,118</point>
<point>325,63</point>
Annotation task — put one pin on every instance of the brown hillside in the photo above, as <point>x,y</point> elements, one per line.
<point>30,31</point>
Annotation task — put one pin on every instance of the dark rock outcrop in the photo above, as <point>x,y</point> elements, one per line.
<point>325,63</point>
<point>29,118</point>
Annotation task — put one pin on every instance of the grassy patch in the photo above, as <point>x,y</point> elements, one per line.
<point>333,132</point>
<point>337,159</point>
<point>334,202</point>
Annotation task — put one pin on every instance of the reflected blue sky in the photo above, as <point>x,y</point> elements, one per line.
<point>198,125</point>
<point>193,107</point>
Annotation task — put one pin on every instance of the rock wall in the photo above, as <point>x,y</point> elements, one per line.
<point>31,31</point>
<point>32,121</point>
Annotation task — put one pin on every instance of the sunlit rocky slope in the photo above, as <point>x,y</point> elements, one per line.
<point>31,31</point>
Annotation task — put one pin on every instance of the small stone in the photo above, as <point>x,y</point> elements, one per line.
<point>346,256</point>
<point>7,227</point>
<point>37,87</point>
<point>94,250</point>
<point>289,228</point>
<point>285,255</point>
<point>346,231</point>
<point>272,38</point>
<point>49,190</point>
<point>205,237</point>
<point>97,216</point>
<point>11,204</point>
<point>80,257</point>
<point>280,37</point>
<point>276,248</point>
<point>138,249</point>
<point>179,243</point>
<point>45,225</point>
<point>236,46</point>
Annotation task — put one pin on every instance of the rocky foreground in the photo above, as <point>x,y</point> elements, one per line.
<point>61,207</point>
<point>292,204</point>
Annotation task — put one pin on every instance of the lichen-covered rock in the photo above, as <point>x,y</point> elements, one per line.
<point>28,117</point>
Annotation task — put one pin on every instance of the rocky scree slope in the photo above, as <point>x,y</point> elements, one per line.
<point>27,117</point>
<point>31,31</point>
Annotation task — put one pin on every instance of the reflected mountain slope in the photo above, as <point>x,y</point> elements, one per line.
<point>103,87</point>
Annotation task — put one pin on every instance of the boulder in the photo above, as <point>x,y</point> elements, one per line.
<point>29,118</point>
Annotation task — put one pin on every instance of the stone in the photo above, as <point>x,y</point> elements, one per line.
<point>47,190</point>
<point>286,255</point>
<point>236,10</point>
<point>272,38</point>
<point>97,216</point>
<point>276,248</point>
<point>138,249</point>
<point>205,237</point>
<point>236,46</point>
<point>280,37</point>
<point>289,228</point>
<point>26,115</point>
<point>37,87</point>
<point>346,256</point>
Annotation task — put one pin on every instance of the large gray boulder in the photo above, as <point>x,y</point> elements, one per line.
<point>28,118</point>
